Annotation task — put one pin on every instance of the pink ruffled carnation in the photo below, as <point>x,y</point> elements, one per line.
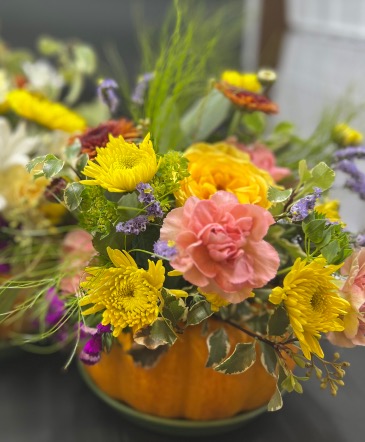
<point>220,246</point>
<point>263,158</point>
<point>77,251</point>
<point>353,291</point>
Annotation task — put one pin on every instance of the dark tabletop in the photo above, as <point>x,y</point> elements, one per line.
<point>41,403</point>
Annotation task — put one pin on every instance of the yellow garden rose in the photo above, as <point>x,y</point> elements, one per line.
<point>222,166</point>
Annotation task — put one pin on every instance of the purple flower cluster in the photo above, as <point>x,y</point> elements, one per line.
<point>141,88</point>
<point>133,226</point>
<point>106,93</point>
<point>56,307</point>
<point>356,181</point>
<point>350,153</point>
<point>152,207</point>
<point>301,208</point>
<point>162,248</point>
<point>91,353</point>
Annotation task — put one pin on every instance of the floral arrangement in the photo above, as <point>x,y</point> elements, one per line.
<point>190,210</point>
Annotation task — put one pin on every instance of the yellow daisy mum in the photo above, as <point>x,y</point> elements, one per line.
<point>44,112</point>
<point>216,301</point>
<point>128,295</point>
<point>120,166</point>
<point>346,135</point>
<point>247,81</point>
<point>312,301</point>
<point>222,166</point>
<point>330,209</point>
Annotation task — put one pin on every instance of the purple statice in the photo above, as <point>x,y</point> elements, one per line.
<point>350,153</point>
<point>133,226</point>
<point>163,249</point>
<point>301,208</point>
<point>356,181</point>
<point>106,93</point>
<point>145,192</point>
<point>103,328</point>
<point>154,210</point>
<point>141,88</point>
<point>56,307</point>
<point>91,353</point>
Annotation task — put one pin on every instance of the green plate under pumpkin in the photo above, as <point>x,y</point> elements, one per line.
<point>181,427</point>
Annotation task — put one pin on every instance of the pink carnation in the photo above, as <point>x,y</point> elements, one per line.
<point>220,246</point>
<point>354,291</point>
<point>77,251</point>
<point>263,158</point>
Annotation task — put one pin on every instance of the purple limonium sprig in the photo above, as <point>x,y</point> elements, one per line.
<point>133,226</point>
<point>301,208</point>
<point>356,182</point>
<point>91,353</point>
<point>56,307</point>
<point>145,193</point>
<point>162,248</point>
<point>350,153</point>
<point>106,93</point>
<point>141,88</point>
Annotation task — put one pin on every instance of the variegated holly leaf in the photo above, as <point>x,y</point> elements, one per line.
<point>146,357</point>
<point>241,359</point>
<point>218,347</point>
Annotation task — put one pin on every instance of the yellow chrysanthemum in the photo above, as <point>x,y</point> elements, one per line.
<point>216,301</point>
<point>312,301</point>
<point>247,81</point>
<point>221,166</point>
<point>346,135</point>
<point>120,166</point>
<point>44,112</point>
<point>127,295</point>
<point>330,210</point>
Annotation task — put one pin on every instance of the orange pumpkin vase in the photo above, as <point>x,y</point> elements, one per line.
<point>179,385</point>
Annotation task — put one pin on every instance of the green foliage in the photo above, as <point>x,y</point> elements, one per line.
<point>276,195</point>
<point>327,239</point>
<point>320,176</point>
<point>198,313</point>
<point>72,195</point>
<point>255,122</point>
<point>174,309</point>
<point>218,347</point>
<point>95,213</point>
<point>51,165</point>
<point>278,322</point>
<point>173,168</point>
<point>241,359</point>
<point>276,402</point>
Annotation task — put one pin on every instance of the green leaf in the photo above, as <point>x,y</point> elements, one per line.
<point>218,347</point>
<point>330,251</point>
<point>206,115</point>
<point>145,357</point>
<point>278,322</point>
<point>198,312</point>
<point>72,195</point>
<point>314,229</point>
<point>161,331</point>
<point>52,166</point>
<point>323,176</point>
<point>293,249</point>
<point>174,308</point>
<point>276,195</point>
<point>284,127</point>
<point>304,174</point>
<point>276,402</point>
<point>81,162</point>
<point>241,359</point>
<point>255,122</point>
<point>73,150</point>
<point>34,162</point>
<point>269,358</point>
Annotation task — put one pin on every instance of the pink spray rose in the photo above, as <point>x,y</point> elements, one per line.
<point>77,251</point>
<point>220,246</point>
<point>354,291</point>
<point>263,158</point>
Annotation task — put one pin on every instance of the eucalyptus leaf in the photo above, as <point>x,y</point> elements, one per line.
<point>72,195</point>
<point>243,357</point>
<point>218,347</point>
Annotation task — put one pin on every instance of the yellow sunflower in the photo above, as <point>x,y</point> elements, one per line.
<point>311,298</point>
<point>44,112</point>
<point>120,165</point>
<point>127,295</point>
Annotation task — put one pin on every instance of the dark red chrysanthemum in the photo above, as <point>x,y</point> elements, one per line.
<point>247,100</point>
<point>99,136</point>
